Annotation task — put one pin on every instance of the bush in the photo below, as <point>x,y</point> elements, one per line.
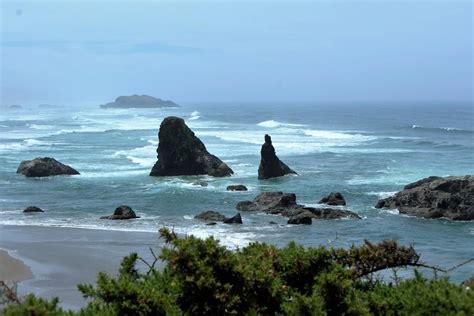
<point>202,277</point>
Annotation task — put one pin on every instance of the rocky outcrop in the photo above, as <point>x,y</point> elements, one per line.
<point>303,218</point>
<point>122,212</point>
<point>334,198</point>
<point>181,153</point>
<point>285,204</point>
<point>138,101</point>
<point>270,165</point>
<point>239,187</point>
<point>44,167</point>
<point>212,217</point>
<point>32,209</point>
<point>237,219</point>
<point>435,197</point>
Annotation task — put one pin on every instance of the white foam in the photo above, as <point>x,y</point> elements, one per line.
<point>382,194</point>
<point>273,124</point>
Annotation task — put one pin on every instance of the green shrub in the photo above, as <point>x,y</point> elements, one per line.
<point>201,277</point>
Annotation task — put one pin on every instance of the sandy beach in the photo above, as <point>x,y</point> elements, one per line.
<point>51,261</point>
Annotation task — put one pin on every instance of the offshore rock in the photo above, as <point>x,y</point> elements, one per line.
<point>435,197</point>
<point>334,198</point>
<point>44,167</point>
<point>211,216</point>
<point>304,218</point>
<point>237,219</point>
<point>32,209</point>
<point>181,153</point>
<point>122,212</point>
<point>270,165</point>
<point>285,205</point>
<point>138,101</point>
<point>239,187</point>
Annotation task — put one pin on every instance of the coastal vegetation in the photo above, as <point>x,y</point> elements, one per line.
<point>201,277</point>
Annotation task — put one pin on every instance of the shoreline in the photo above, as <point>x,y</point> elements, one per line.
<point>12,269</point>
<point>60,258</point>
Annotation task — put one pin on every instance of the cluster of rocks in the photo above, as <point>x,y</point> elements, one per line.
<point>181,153</point>
<point>285,204</point>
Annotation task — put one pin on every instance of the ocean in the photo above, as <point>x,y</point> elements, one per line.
<point>366,152</point>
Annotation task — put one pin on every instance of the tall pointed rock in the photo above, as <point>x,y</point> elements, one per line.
<point>181,153</point>
<point>270,165</point>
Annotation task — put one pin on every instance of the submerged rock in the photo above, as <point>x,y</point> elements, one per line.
<point>201,183</point>
<point>285,204</point>
<point>237,219</point>
<point>239,187</point>
<point>44,167</point>
<point>270,165</point>
<point>33,209</point>
<point>181,153</point>
<point>122,212</point>
<point>435,197</point>
<point>210,216</point>
<point>138,101</point>
<point>334,198</point>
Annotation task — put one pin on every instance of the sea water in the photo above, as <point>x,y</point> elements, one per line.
<point>366,152</point>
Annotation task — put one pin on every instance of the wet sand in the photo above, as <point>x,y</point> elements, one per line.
<point>60,258</point>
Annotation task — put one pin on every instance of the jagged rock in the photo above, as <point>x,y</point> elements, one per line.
<point>122,212</point>
<point>44,167</point>
<point>32,209</point>
<point>237,219</point>
<point>285,204</point>
<point>301,218</point>
<point>270,165</point>
<point>435,197</point>
<point>138,101</point>
<point>334,198</point>
<point>201,183</point>
<point>181,153</point>
<point>211,216</point>
<point>239,187</point>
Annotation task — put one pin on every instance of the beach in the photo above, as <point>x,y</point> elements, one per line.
<point>51,261</point>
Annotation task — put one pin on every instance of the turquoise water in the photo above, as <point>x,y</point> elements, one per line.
<point>364,152</point>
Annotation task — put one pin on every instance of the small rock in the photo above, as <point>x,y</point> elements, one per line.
<point>272,223</point>
<point>44,167</point>
<point>211,216</point>
<point>122,212</point>
<point>201,183</point>
<point>334,198</point>
<point>32,209</point>
<point>237,219</point>
<point>239,187</point>
<point>302,218</point>
<point>211,224</point>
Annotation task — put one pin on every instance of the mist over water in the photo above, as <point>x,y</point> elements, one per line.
<point>365,152</point>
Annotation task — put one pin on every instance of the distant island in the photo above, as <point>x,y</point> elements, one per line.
<point>139,101</point>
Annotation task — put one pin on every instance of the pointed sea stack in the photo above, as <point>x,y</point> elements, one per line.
<point>270,165</point>
<point>181,153</point>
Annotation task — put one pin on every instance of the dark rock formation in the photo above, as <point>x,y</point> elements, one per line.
<point>32,209</point>
<point>237,219</point>
<point>239,187</point>
<point>435,197</point>
<point>211,216</point>
<point>138,101</point>
<point>270,165</point>
<point>181,153</point>
<point>334,198</point>
<point>122,212</point>
<point>301,218</point>
<point>285,204</point>
<point>44,167</point>
<point>211,223</point>
<point>15,107</point>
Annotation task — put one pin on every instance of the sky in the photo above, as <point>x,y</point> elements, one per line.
<point>318,51</point>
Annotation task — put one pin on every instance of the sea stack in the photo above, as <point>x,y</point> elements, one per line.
<point>44,167</point>
<point>181,153</point>
<point>270,165</point>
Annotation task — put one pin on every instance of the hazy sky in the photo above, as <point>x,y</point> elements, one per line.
<point>338,51</point>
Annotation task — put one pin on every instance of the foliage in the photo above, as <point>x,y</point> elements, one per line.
<point>201,277</point>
